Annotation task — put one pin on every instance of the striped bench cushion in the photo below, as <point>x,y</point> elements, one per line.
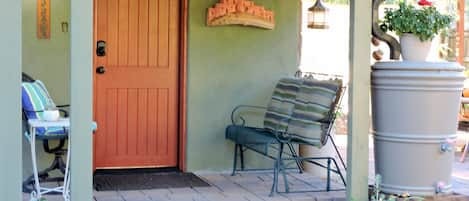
<point>312,104</point>
<point>35,98</point>
<point>281,105</point>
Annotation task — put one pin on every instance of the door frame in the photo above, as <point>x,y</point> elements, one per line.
<point>182,77</point>
<point>183,84</point>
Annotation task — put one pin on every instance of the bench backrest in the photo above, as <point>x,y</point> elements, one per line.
<point>303,110</point>
<point>281,105</point>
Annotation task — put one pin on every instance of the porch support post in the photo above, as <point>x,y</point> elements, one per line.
<point>81,99</point>
<point>10,103</point>
<point>359,100</point>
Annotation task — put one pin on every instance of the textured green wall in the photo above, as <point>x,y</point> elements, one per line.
<point>47,60</point>
<point>233,65</point>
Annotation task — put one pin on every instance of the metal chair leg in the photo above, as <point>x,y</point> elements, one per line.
<point>235,160</point>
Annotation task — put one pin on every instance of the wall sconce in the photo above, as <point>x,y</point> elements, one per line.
<point>317,16</point>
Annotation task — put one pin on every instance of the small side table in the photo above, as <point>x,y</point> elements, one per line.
<point>39,191</point>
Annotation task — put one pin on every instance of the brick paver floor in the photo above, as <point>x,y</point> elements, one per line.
<point>255,186</point>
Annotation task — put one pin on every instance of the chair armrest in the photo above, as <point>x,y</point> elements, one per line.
<point>239,107</point>
<point>33,110</point>
<point>64,112</point>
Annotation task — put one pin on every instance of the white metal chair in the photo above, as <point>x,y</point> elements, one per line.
<point>35,99</point>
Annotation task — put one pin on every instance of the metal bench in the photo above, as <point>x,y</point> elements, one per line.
<point>302,111</point>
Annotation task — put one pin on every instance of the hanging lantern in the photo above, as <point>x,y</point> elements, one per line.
<point>317,16</point>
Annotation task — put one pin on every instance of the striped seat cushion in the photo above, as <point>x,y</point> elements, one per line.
<point>35,98</point>
<point>313,104</point>
<point>281,105</point>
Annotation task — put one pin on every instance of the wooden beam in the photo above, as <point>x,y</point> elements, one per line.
<point>81,62</point>
<point>10,103</point>
<point>359,100</point>
<point>460,35</point>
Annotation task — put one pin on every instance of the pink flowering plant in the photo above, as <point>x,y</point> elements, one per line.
<point>423,21</point>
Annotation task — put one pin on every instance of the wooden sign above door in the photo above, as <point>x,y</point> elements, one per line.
<point>240,12</point>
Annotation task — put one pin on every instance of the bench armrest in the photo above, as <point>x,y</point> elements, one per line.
<point>242,107</point>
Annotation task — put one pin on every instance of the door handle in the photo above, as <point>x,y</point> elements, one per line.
<point>100,70</point>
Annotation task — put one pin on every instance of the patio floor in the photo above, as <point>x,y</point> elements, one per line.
<point>255,186</point>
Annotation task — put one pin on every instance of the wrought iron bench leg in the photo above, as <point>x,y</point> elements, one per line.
<point>276,171</point>
<point>282,168</point>
<point>339,172</point>
<point>337,152</point>
<point>235,160</point>
<point>274,184</point>
<point>299,163</point>
<point>277,168</point>
<point>328,186</point>
<point>241,156</point>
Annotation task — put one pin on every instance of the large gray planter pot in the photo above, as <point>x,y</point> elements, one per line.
<point>415,109</point>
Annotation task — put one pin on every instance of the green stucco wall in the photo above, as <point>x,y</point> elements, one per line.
<point>233,65</point>
<point>47,60</point>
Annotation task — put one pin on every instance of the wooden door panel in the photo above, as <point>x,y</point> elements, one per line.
<point>133,35</point>
<point>137,125</point>
<point>143,33</point>
<point>136,99</point>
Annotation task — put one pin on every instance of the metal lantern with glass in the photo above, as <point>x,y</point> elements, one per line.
<point>317,16</point>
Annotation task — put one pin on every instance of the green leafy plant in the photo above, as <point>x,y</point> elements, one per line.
<point>425,22</point>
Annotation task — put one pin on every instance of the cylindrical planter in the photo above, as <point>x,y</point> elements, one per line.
<point>415,110</point>
<point>413,49</point>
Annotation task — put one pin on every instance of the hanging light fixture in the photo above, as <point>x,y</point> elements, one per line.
<point>317,16</point>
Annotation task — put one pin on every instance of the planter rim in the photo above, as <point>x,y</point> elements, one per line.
<point>418,66</point>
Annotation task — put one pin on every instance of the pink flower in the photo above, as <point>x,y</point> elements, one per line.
<point>450,141</point>
<point>440,187</point>
<point>425,3</point>
<point>441,184</point>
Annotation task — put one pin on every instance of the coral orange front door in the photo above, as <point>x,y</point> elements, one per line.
<point>136,83</point>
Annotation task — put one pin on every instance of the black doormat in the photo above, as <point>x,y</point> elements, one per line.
<point>123,180</point>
